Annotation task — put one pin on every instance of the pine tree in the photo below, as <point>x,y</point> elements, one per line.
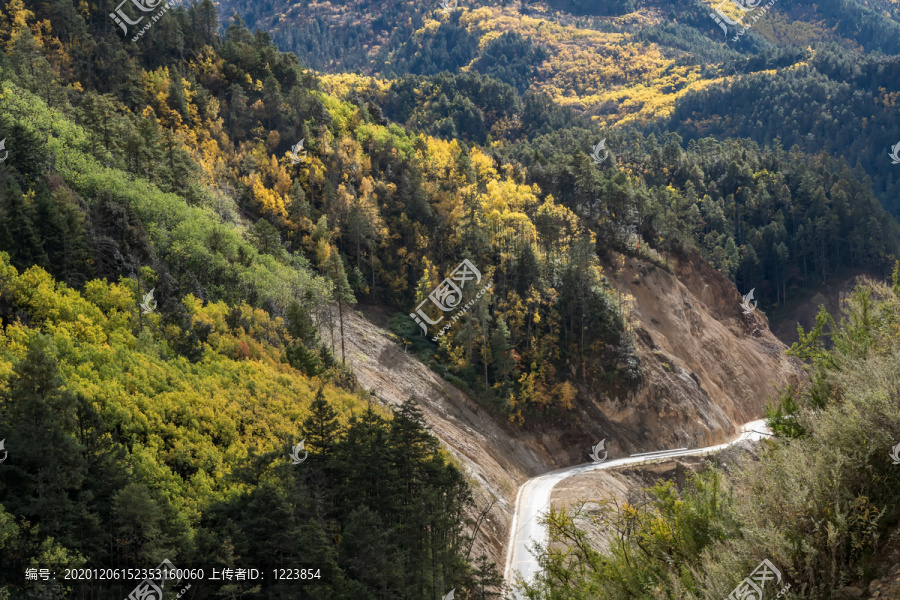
<point>25,247</point>
<point>504,362</point>
<point>487,582</point>
<point>304,360</point>
<point>43,480</point>
<point>321,428</point>
<point>334,269</point>
<point>372,553</point>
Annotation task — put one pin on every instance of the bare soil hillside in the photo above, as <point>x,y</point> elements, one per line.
<point>707,366</point>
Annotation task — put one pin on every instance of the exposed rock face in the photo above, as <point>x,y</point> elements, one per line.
<point>707,369</point>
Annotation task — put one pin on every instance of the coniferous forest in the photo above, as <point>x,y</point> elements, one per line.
<point>190,215</point>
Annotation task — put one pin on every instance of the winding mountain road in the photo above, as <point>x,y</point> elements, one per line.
<point>534,496</point>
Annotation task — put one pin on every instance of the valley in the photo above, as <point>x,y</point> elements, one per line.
<point>392,300</point>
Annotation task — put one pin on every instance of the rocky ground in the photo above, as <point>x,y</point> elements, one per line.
<point>885,588</point>
<point>707,366</point>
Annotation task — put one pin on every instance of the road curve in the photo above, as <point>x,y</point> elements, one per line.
<point>534,496</point>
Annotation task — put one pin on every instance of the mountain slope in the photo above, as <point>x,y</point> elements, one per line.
<point>693,396</point>
<point>708,366</point>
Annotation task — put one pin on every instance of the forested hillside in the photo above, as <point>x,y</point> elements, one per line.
<point>840,102</point>
<point>821,75</point>
<point>781,222</point>
<point>122,448</point>
<point>138,426</point>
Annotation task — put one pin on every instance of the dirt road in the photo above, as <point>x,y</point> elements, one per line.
<point>534,496</point>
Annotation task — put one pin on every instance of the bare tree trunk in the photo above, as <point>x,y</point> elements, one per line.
<point>341,318</point>
<point>140,310</point>
<point>331,326</point>
<point>484,357</point>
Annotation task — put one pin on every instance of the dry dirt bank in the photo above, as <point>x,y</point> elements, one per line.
<point>589,490</point>
<point>495,456</point>
<point>707,366</point>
